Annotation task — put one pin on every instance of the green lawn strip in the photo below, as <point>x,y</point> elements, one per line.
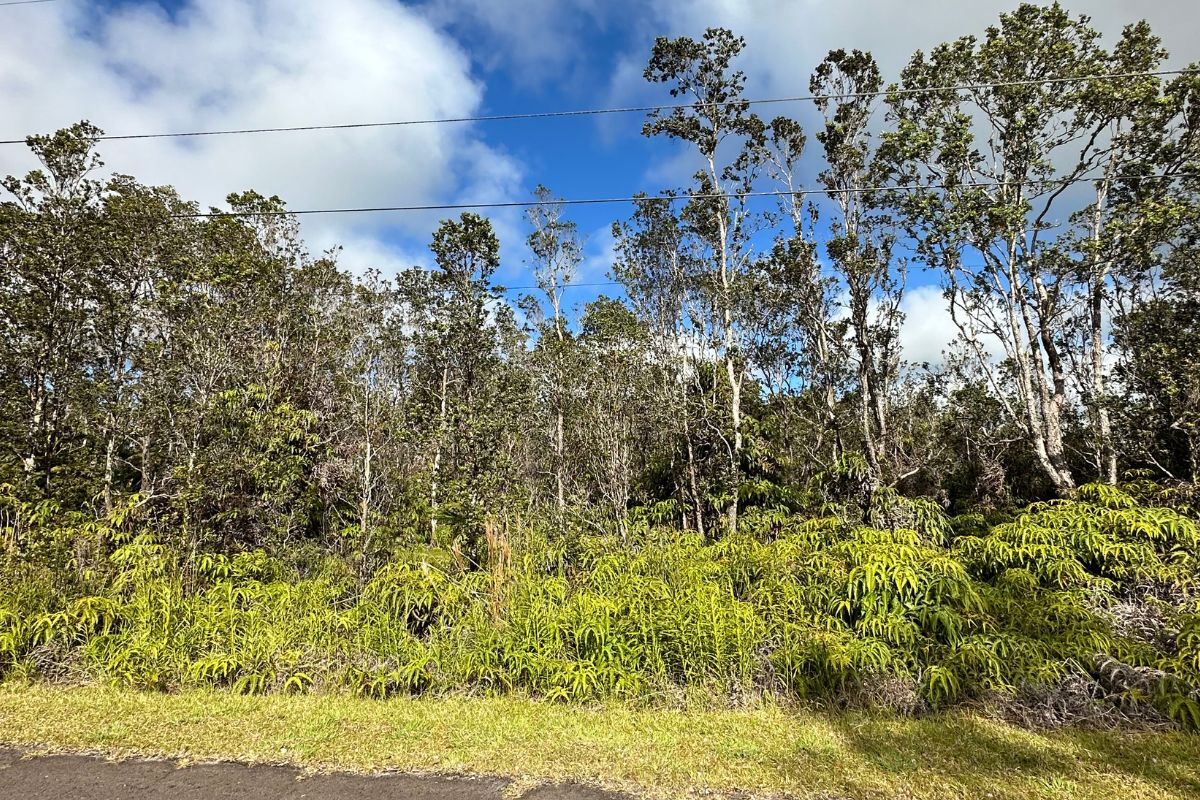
<point>765,750</point>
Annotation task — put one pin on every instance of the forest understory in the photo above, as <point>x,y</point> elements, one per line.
<point>1078,612</point>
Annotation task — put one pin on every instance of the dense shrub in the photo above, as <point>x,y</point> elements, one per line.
<point>1099,592</point>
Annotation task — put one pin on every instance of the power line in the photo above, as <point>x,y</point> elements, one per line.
<point>659,197</point>
<point>567,285</point>
<point>618,283</point>
<point>24,2</point>
<point>666,197</point>
<point>589,112</point>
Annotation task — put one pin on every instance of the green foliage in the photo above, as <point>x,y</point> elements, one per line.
<point>1102,540</point>
<point>811,608</point>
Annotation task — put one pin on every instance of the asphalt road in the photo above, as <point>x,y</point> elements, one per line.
<point>71,777</point>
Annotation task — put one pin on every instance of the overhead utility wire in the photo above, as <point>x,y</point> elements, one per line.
<point>567,285</point>
<point>24,2</point>
<point>588,112</point>
<point>618,283</point>
<point>667,197</point>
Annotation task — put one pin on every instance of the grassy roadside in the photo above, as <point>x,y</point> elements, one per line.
<point>660,752</point>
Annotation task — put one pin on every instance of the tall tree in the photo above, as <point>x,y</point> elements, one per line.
<point>861,245</point>
<point>717,214</point>
<point>557,252</point>
<point>468,385</point>
<point>621,419</point>
<point>146,232</point>
<point>49,261</point>
<point>657,264</point>
<point>999,160</point>
<point>806,337</point>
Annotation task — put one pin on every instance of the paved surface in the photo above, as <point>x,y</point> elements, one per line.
<point>70,777</point>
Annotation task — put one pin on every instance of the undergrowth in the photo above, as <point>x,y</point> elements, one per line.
<point>920,612</point>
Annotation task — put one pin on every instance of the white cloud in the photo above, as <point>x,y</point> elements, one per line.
<point>230,63</point>
<point>675,168</point>
<point>599,255</point>
<point>787,38</point>
<point>538,39</point>
<point>359,253</point>
<point>927,330</point>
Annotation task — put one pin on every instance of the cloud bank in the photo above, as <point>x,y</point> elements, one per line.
<point>227,63</point>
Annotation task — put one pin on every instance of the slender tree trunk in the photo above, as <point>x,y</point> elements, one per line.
<point>1043,429</point>
<point>1194,457</point>
<point>365,497</point>
<point>110,457</point>
<point>735,413</point>
<point>437,459</point>
<point>29,462</point>
<point>560,458</point>
<point>1105,451</point>
<point>685,415</point>
<point>560,439</point>
<point>879,404</point>
<point>147,483</point>
<point>1030,339</point>
<point>1064,482</point>
<point>693,479</point>
<point>732,375</point>
<point>859,303</point>
<point>1106,454</point>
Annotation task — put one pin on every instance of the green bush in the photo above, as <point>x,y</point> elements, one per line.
<point>941,611</point>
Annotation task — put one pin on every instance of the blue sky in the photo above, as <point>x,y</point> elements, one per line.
<point>141,66</point>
